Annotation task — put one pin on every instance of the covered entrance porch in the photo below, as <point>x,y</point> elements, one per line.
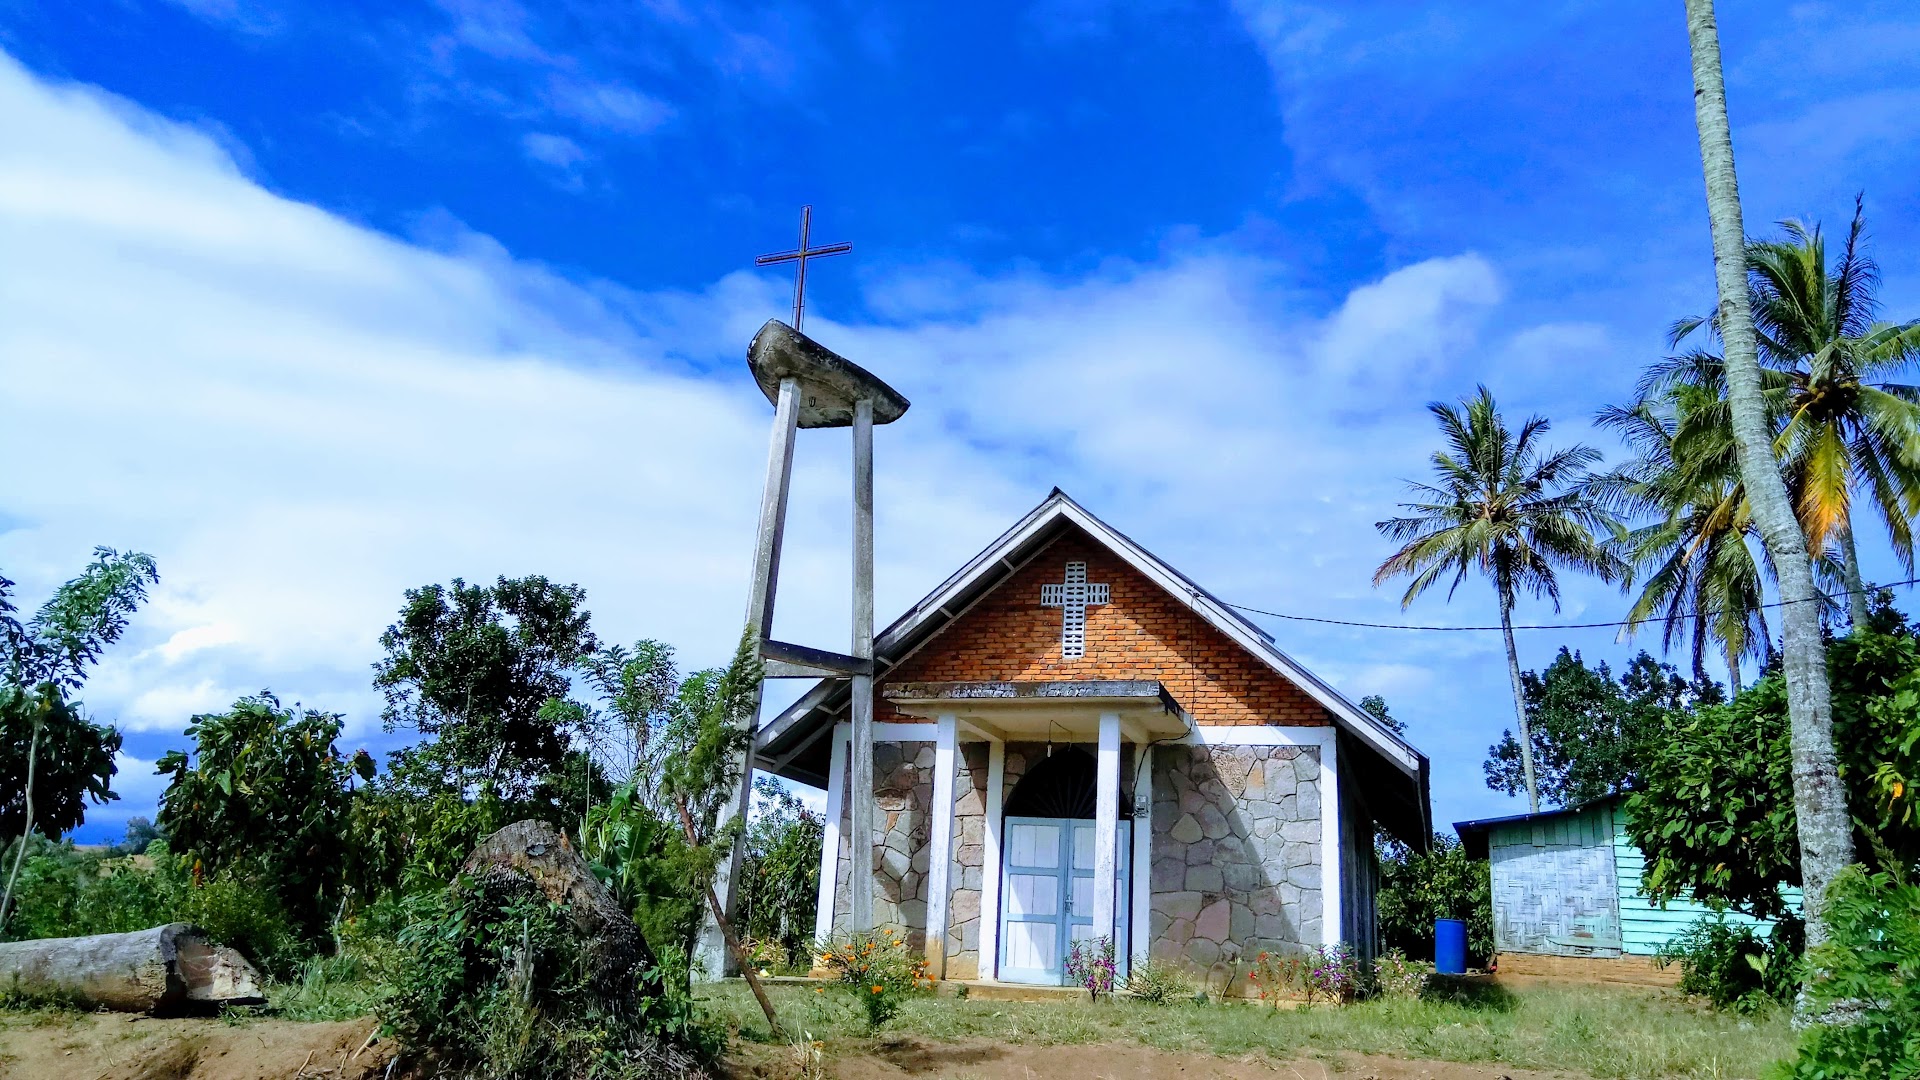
<point>1043,845</point>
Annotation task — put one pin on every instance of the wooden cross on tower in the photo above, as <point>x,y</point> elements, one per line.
<point>1073,597</point>
<point>800,255</point>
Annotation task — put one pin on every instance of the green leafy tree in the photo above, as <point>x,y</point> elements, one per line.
<point>266,793</point>
<point>780,878</point>
<point>476,667</point>
<point>1869,972</point>
<point>1715,815</point>
<point>1418,887</point>
<point>42,663</point>
<point>1590,732</point>
<point>1504,506</point>
<point>1376,706</point>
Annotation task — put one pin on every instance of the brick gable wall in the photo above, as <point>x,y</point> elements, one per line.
<point>1143,633</point>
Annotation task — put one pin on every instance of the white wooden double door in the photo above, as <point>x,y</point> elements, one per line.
<point>1047,893</point>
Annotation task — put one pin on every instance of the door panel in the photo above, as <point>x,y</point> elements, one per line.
<point>1048,894</point>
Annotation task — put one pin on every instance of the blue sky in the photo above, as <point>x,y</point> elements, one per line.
<point>316,302</point>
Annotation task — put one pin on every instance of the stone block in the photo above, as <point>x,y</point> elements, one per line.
<point>1240,923</point>
<point>923,758</point>
<point>1205,879</point>
<point>1241,878</point>
<point>1301,832</point>
<point>1187,830</point>
<point>1309,797</point>
<point>923,858</point>
<point>970,855</point>
<point>1214,921</point>
<point>1200,854</point>
<point>1168,874</point>
<point>894,863</point>
<point>1179,905</point>
<point>966,904</point>
<point>1306,877</point>
<point>1272,928</point>
<point>1203,952</point>
<point>886,758</point>
<point>913,913</point>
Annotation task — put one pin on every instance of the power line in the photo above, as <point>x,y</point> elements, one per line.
<point>1545,626</point>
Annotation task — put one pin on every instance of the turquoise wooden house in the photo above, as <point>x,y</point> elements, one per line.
<point>1567,883</point>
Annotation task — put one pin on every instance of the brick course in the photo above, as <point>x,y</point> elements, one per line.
<point>1145,632</point>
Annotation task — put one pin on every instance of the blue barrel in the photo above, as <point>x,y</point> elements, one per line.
<point>1449,947</point>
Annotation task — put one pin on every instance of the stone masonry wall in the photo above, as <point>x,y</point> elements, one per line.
<point>1236,852</point>
<point>1143,632</point>
<point>900,848</point>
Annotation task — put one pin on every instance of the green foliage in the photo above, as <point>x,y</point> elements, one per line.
<point>73,759</point>
<point>66,893</point>
<point>63,892</point>
<point>1416,888</point>
<point>1159,982</point>
<point>644,860</point>
<point>1590,731</point>
<point>495,983</point>
<point>1376,705</point>
<point>1715,814</point>
<point>475,667</point>
<point>878,970</point>
<point>265,796</point>
<point>42,662</point>
<point>1866,982</point>
<point>779,883</point>
<point>1735,968</point>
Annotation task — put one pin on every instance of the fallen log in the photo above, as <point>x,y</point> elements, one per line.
<point>168,969</point>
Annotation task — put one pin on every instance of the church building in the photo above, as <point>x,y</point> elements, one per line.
<point>1072,739</point>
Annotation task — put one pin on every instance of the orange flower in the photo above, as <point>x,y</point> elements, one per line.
<point>877,988</point>
<point>819,989</point>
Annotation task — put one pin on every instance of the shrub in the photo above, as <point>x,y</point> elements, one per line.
<point>1090,965</point>
<point>1277,977</point>
<point>1866,981</point>
<point>1328,973</point>
<point>1733,967</point>
<point>878,970</point>
<point>1333,973</point>
<point>497,983</point>
<point>1158,982</point>
<point>1395,976</point>
<point>1416,888</point>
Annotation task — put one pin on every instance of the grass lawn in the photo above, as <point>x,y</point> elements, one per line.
<point>1603,1032</point>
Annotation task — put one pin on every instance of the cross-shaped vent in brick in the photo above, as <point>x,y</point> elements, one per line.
<point>1073,597</point>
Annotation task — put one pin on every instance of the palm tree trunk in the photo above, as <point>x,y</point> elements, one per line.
<point>1820,803</point>
<point>1733,670</point>
<point>1850,571</point>
<point>1519,707</point>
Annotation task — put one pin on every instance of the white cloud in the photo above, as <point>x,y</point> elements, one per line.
<point>609,106</point>
<point>301,418</point>
<point>555,150</point>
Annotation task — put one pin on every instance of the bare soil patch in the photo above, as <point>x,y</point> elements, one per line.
<point>116,1046</point>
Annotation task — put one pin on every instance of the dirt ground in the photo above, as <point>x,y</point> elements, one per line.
<point>111,1046</point>
<point>117,1046</point>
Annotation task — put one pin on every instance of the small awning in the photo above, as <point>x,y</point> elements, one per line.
<point>1041,709</point>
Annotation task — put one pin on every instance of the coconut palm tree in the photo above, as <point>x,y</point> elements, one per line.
<point>1849,429</point>
<point>1820,803</point>
<point>1698,576</point>
<point>1505,506</point>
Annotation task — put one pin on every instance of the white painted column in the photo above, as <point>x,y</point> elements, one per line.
<point>1106,830</point>
<point>830,838</point>
<point>940,845</point>
<point>1140,924</point>
<point>1330,839</point>
<point>990,860</point>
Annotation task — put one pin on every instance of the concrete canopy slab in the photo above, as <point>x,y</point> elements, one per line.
<point>830,384</point>
<point>1040,707</point>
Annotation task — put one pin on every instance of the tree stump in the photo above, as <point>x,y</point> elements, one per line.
<point>535,851</point>
<point>168,969</point>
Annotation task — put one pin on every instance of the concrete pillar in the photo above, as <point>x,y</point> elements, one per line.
<point>861,915</point>
<point>990,871</point>
<point>1106,827</point>
<point>1331,853</point>
<point>940,844</point>
<point>830,838</point>
<point>711,958</point>
<point>1140,926</point>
